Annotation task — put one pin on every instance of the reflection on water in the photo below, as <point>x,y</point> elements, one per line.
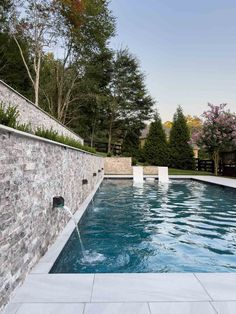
<point>181,226</point>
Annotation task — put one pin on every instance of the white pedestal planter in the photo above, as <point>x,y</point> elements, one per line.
<point>163,174</point>
<point>138,174</point>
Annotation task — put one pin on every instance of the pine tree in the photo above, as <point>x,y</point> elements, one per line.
<point>181,153</point>
<point>130,103</point>
<point>155,150</point>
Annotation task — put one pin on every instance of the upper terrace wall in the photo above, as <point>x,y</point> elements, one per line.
<point>29,113</point>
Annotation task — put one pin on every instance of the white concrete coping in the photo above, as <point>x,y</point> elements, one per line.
<point>227,182</point>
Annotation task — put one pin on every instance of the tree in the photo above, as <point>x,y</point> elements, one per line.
<point>194,123</point>
<point>218,132</point>
<point>129,100</point>
<point>94,94</point>
<point>5,11</point>
<point>168,124</point>
<point>181,153</point>
<point>155,150</point>
<point>86,27</point>
<point>12,69</point>
<point>58,85</point>
<point>130,145</point>
<point>36,21</point>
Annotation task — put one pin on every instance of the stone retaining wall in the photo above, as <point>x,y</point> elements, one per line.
<point>123,166</point>
<point>118,165</point>
<point>150,170</point>
<point>31,114</point>
<point>32,171</point>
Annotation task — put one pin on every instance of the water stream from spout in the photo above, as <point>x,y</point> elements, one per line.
<point>77,228</point>
<point>88,257</point>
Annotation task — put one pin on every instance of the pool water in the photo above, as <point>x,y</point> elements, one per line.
<point>182,226</point>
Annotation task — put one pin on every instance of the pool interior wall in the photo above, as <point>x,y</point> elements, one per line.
<point>183,226</point>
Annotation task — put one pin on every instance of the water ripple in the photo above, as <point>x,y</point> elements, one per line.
<point>185,226</point>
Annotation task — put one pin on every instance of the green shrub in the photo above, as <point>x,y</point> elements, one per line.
<point>9,115</point>
<point>134,161</point>
<point>50,134</point>
<point>54,136</point>
<point>24,127</point>
<point>72,142</point>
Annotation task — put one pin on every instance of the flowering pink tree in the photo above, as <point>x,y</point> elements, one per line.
<point>218,132</point>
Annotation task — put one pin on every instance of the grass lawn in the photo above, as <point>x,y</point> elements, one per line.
<point>193,172</point>
<point>188,172</point>
<point>101,154</point>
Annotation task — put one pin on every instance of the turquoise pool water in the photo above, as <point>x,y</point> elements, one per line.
<point>183,226</point>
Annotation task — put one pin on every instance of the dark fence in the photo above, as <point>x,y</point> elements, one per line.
<point>103,147</point>
<point>227,169</point>
<point>204,165</point>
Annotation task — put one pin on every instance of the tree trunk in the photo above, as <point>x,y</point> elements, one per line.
<point>216,159</point>
<point>36,90</point>
<point>93,132</point>
<point>109,136</point>
<point>37,78</point>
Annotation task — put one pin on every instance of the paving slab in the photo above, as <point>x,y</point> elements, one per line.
<point>228,307</point>
<point>51,308</point>
<point>217,180</point>
<point>55,288</point>
<point>11,308</point>
<point>116,308</point>
<point>182,308</point>
<point>220,286</point>
<point>147,288</point>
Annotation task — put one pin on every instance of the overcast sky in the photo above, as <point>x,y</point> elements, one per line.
<point>187,49</point>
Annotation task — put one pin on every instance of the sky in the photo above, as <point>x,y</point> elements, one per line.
<point>186,48</point>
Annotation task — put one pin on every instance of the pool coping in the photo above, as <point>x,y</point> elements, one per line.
<point>206,288</point>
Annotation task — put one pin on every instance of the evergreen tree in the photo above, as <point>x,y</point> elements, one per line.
<point>130,103</point>
<point>181,153</point>
<point>155,150</point>
<point>130,145</point>
<point>93,97</point>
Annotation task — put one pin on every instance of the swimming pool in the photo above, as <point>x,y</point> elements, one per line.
<point>183,226</point>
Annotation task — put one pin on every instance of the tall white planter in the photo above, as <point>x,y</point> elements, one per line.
<point>138,174</point>
<point>163,174</point>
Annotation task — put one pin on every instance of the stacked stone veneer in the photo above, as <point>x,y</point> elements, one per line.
<point>118,165</point>
<point>31,114</point>
<point>123,166</point>
<point>150,170</point>
<point>32,171</point>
